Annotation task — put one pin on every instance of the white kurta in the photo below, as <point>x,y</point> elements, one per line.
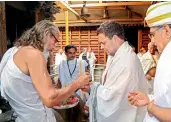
<point>162,82</point>
<point>80,56</point>
<point>91,60</point>
<point>59,58</point>
<point>124,74</point>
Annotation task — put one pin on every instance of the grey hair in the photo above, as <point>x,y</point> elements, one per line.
<point>36,36</point>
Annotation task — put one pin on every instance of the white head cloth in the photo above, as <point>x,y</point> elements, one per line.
<point>159,14</point>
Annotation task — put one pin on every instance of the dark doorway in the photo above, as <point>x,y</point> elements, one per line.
<point>17,21</point>
<point>131,34</point>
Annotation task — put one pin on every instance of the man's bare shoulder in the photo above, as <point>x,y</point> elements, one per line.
<point>31,53</point>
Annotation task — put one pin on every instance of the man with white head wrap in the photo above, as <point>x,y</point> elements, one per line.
<point>158,19</point>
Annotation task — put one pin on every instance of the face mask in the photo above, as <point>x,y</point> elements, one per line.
<point>46,54</point>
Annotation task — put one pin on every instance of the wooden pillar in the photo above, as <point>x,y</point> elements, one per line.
<point>79,40</point>
<point>105,58</point>
<point>66,27</point>
<point>39,15</point>
<point>3,40</point>
<point>139,39</point>
<point>98,59</point>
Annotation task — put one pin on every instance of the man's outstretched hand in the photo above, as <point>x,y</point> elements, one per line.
<point>138,98</point>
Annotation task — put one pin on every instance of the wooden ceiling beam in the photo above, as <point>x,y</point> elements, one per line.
<point>97,24</point>
<point>106,12</point>
<point>154,2</point>
<point>102,20</point>
<point>129,14</point>
<point>111,4</point>
<point>70,2</point>
<point>127,8</point>
<point>72,10</point>
<point>102,8</point>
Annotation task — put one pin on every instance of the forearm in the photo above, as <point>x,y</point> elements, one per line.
<point>60,95</point>
<point>162,114</point>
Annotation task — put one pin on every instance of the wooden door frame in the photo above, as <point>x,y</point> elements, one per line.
<point>139,39</point>
<point>3,40</point>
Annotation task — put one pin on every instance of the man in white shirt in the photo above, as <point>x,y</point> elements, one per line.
<point>59,57</point>
<point>71,68</point>
<point>91,60</point>
<point>149,63</point>
<point>141,53</point>
<point>158,18</point>
<point>108,100</point>
<point>149,59</point>
<point>83,55</point>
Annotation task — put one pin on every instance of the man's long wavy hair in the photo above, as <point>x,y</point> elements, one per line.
<point>36,36</point>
